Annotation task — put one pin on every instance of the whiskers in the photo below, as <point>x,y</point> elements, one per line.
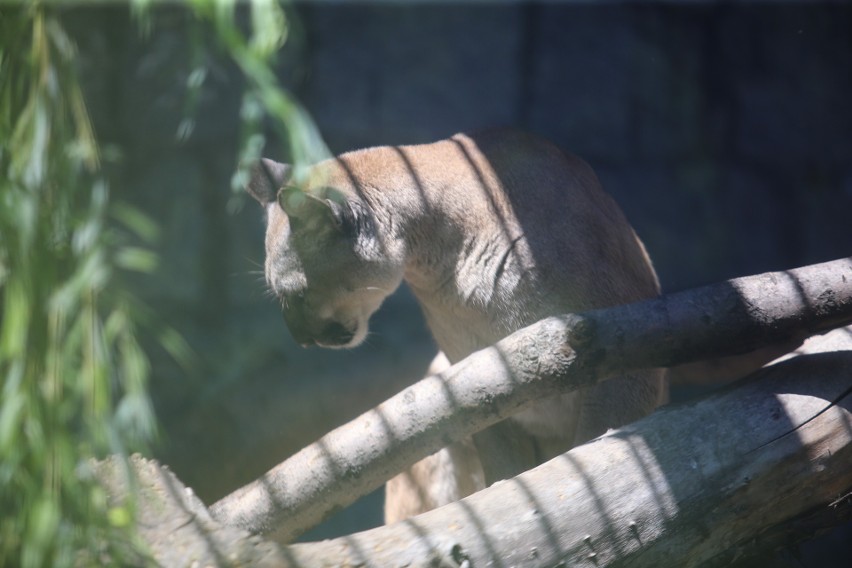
<point>269,293</point>
<point>254,262</point>
<point>366,342</point>
<point>259,276</point>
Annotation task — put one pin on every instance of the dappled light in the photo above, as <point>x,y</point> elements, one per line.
<point>540,435</point>
<point>668,462</point>
<point>644,492</point>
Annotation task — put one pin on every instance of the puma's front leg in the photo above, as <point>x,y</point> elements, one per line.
<point>446,476</point>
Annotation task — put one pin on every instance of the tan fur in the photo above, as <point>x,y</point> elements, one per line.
<point>492,232</point>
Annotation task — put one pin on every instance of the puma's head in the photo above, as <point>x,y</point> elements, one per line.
<point>327,260</point>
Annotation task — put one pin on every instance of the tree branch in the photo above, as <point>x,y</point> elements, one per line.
<point>694,485</point>
<point>691,485</point>
<point>555,355</point>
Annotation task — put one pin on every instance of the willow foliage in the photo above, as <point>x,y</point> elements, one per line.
<point>264,99</point>
<point>73,374</point>
<point>73,377</point>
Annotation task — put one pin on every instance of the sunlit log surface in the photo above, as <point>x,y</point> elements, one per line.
<point>691,485</point>
<point>555,355</point>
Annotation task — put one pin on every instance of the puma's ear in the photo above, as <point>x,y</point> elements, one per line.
<point>295,203</point>
<point>331,211</point>
<point>303,206</point>
<point>266,177</point>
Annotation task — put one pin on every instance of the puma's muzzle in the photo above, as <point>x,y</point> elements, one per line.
<point>308,330</point>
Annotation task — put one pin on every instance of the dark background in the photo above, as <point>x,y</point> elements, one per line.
<point>724,129</point>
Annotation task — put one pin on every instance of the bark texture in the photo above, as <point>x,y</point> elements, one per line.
<point>692,485</point>
<point>174,525</point>
<point>555,355</point>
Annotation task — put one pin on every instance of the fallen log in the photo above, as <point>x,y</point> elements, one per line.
<point>555,355</point>
<point>692,485</point>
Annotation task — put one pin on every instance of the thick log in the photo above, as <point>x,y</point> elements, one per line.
<point>555,355</point>
<point>691,485</point>
<point>174,526</point>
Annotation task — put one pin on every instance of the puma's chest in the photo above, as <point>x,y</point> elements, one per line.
<point>488,289</point>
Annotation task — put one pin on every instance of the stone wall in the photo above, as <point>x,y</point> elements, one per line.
<point>724,130</point>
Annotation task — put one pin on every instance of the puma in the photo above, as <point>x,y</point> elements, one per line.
<point>492,232</point>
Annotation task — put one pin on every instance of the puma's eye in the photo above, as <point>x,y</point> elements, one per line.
<point>348,219</point>
<point>338,214</point>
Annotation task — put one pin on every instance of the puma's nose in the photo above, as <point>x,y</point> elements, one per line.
<point>334,334</point>
<point>308,332</point>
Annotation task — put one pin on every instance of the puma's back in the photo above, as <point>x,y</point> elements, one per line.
<point>492,232</point>
<point>526,232</point>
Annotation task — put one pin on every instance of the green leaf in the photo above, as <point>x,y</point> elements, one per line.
<point>16,318</point>
<point>43,522</point>
<point>11,408</point>
<point>269,28</point>
<point>119,517</point>
<point>137,222</point>
<point>136,259</point>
